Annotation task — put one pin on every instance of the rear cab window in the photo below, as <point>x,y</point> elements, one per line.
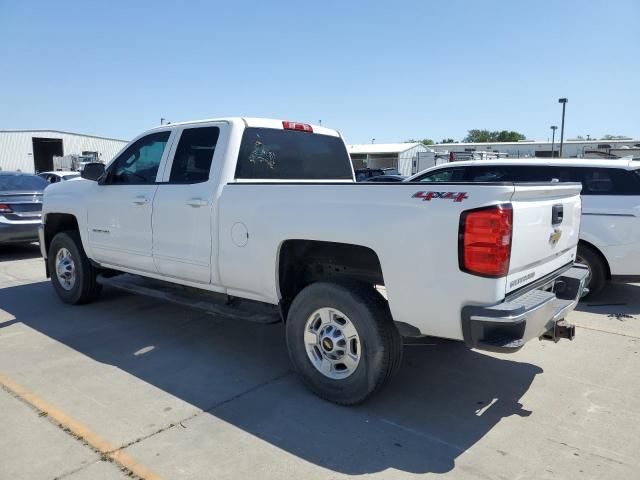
<point>273,154</point>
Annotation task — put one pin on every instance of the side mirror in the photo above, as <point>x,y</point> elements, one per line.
<point>92,171</point>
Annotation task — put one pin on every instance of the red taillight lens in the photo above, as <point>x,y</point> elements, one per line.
<point>303,127</point>
<point>4,208</point>
<point>485,241</point>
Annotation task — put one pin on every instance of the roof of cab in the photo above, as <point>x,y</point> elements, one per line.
<point>253,122</point>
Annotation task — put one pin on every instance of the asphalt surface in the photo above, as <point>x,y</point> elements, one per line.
<point>130,386</point>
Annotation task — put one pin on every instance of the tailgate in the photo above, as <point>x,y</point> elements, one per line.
<point>546,227</point>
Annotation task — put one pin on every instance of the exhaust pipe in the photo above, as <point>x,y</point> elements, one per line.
<point>561,329</point>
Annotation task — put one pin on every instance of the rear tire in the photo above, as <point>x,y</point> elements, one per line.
<point>72,275</point>
<point>342,340</point>
<point>597,268</point>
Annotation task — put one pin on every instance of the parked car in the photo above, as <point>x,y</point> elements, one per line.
<point>59,176</point>
<point>20,207</point>
<point>387,178</point>
<point>363,174</point>
<point>263,220</point>
<point>610,233</point>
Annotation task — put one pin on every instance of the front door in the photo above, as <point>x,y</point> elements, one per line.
<point>121,205</point>
<point>183,208</point>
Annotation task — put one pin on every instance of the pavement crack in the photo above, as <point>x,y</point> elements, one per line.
<point>249,390</point>
<point>607,331</point>
<point>205,410</point>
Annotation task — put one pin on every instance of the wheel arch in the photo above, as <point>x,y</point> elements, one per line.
<point>593,247</point>
<point>56,223</point>
<point>302,262</point>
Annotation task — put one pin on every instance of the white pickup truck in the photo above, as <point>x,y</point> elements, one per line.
<point>263,218</point>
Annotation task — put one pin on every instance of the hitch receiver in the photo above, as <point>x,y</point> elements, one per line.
<point>561,329</point>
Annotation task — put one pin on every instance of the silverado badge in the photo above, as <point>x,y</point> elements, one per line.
<point>555,236</point>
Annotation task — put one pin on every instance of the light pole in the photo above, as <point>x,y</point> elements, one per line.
<point>553,139</point>
<point>563,101</point>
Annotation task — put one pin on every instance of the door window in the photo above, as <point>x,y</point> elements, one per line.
<point>444,175</point>
<point>139,163</point>
<point>193,157</point>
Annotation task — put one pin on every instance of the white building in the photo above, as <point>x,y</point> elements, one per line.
<point>531,148</point>
<point>33,150</point>
<point>401,156</point>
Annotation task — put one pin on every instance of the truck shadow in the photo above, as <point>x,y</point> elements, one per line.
<point>19,252</point>
<point>442,402</point>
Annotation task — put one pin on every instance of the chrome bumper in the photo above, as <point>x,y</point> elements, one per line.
<point>507,326</point>
<point>43,247</point>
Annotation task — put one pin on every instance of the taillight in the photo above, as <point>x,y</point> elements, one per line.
<point>485,241</point>
<point>303,127</point>
<point>4,208</point>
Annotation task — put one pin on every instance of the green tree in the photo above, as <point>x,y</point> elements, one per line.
<point>448,140</point>
<point>424,141</point>
<point>488,136</point>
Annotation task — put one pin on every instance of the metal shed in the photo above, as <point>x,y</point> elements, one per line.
<point>401,156</point>
<point>33,150</point>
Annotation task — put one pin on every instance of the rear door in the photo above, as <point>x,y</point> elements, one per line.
<point>184,235</point>
<point>611,215</point>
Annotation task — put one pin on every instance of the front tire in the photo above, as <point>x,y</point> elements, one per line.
<point>597,278</point>
<point>72,275</point>
<point>342,340</point>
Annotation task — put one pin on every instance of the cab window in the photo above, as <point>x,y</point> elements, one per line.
<point>139,163</point>
<point>193,157</point>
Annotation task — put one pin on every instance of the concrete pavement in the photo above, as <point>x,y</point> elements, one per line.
<point>166,392</point>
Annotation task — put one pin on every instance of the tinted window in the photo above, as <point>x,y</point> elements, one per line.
<point>508,173</point>
<point>29,183</point>
<point>192,161</point>
<point>139,163</point>
<point>267,153</point>
<point>444,175</point>
<point>608,181</point>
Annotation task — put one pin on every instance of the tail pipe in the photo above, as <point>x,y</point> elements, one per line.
<point>561,329</point>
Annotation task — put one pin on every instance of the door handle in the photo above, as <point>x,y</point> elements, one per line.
<point>140,200</point>
<point>197,202</point>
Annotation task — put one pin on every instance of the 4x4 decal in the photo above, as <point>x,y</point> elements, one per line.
<point>455,196</point>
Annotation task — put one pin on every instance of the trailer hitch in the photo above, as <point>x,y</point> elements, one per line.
<point>561,329</point>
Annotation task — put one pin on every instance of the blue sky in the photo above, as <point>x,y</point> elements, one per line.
<point>386,70</point>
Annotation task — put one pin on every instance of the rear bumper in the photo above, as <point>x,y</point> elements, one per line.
<point>540,313</point>
<point>18,232</point>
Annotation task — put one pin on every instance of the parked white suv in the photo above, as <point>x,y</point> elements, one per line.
<point>610,233</point>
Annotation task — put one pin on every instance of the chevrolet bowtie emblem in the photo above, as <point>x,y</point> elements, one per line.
<point>555,236</point>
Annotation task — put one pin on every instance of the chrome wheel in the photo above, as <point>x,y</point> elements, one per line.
<point>65,269</point>
<point>332,343</point>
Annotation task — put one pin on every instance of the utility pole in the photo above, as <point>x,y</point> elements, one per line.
<point>563,101</point>
<point>162,120</point>
<point>553,139</point>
